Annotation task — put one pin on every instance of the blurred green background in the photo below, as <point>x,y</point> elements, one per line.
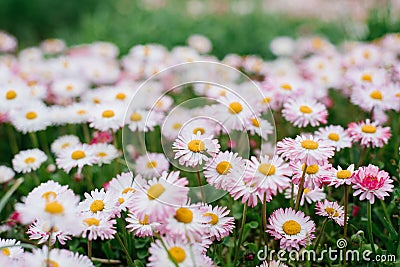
<point>168,22</point>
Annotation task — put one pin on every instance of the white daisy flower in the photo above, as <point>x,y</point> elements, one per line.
<point>76,156</point>
<point>11,248</point>
<point>152,165</point>
<point>99,202</point>
<point>341,176</point>
<point>28,160</point>
<point>42,230</point>
<point>6,174</point>
<point>78,113</point>
<point>142,120</point>
<point>219,224</point>
<point>98,226</point>
<point>260,127</point>
<point>193,149</point>
<point>57,257</point>
<point>309,195</point>
<point>13,95</point>
<point>104,153</point>
<point>173,123</point>
<point>336,135</point>
<point>232,112</point>
<point>141,228</point>
<point>31,118</point>
<point>69,87</point>
<point>123,187</point>
<point>64,142</point>
<point>107,117</point>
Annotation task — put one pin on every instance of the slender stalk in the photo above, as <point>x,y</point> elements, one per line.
<point>49,248</point>
<point>128,257</point>
<point>44,143</point>
<point>346,208</point>
<point>239,241</point>
<point>34,139</point>
<point>362,157</point>
<point>320,234</point>
<point>89,249</point>
<point>386,213</point>
<point>89,177</point>
<point>301,188</point>
<point>12,139</point>
<point>35,178</point>
<point>203,198</point>
<point>292,196</point>
<point>370,235</point>
<point>264,217</point>
<point>86,133</point>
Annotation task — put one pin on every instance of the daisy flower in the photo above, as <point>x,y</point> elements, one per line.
<point>142,120</point>
<point>99,202</point>
<point>309,195</point>
<point>372,97</point>
<point>98,226</point>
<point>270,174</point>
<point>205,126</point>
<point>185,223</point>
<point>316,175</point>
<point>42,230</point>
<point>11,248</point>
<point>28,160</point>
<point>31,118</point>
<point>369,133</point>
<point>302,112</point>
<point>232,112</point>
<point>309,150</point>
<point>219,224</point>
<point>369,182</point>
<point>107,117</point>
<point>292,228</point>
<point>69,87</point>
<point>78,113</point>
<point>13,95</point>
<point>224,170</point>
<point>193,149</point>
<point>141,228</point>
<point>177,252</point>
<point>331,210</point>
<point>336,135</point>
<point>123,187</point>
<point>56,257</point>
<point>151,165</point>
<point>6,174</point>
<point>248,192</point>
<point>76,156</point>
<point>272,263</point>
<point>260,127</point>
<point>63,142</point>
<point>157,196</point>
<point>173,123</point>
<point>104,153</point>
<point>341,176</point>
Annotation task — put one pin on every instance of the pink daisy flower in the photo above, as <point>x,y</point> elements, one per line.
<point>292,228</point>
<point>219,224</point>
<point>369,133</point>
<point>141,228</point>
<point>370,97</point>
<point>98,226</point>
<point>316,175</point>
<point>369,182</point>
<point>308,150</point>
<point>336,135</point>
<point>248,192</point>
<point>332,210</point>
<point>309,195</point>
<point>302,112</point>
<point>341,176</point>
<point>41,230</point>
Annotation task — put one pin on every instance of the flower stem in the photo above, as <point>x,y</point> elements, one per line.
<point>264,216</point>
<point>370,235</point>
<point>203,199</point>
<point>292,196</point>
<point>89,249</point>
<point>86,133</point>
<point>128,257</point>
<point>301,188</point>
<point>386,213</point>
<point>320,234</point>
<point>34,139</point>
<point>239,241</point>
<point>346,208</point>
<point>12,139</point>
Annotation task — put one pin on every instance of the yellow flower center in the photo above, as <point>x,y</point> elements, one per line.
<point>49,195</point>
<point>31,115</point>
<point>6,251</point>
<point>366,77</point>
<point>376,95</point>
<point>307,190</point>
<point>108,113</point>
<point>145,220</point>
<point>96,100</point>
<point>69,88</point>
<point>370,129</point>
<point>332,212</point>
<point>177,254</point>
<point>128,189</point>
<point>101,154</point>
<point>398,95</point>
<point>10,95</point>
<point>214,217</point>
<point>305,109</point>
<point>267,169</point>
<point>235,108</point>
<point>121,200</point>
<point>136,116</point>
<point>50,263</point>
<point>97,205</point>
<point>291,227</point>
<point>317,43</point>
<point>196,146</point>
<point>151,164</point>
<point>184,215</point>
<point>65,145</point>
<point>199,129</point>
<point>255,122</point>
<point>223,167</point>
<point>81,112</point>
<point>286,87</point>
<point>309,144</point>
<point>78,154</point>
<point>312,169</point>
<point>155,191</point>
<point>30,160</point>
<point>334,137</point>
<point>177,126</point>
<point>54,207</point>
<point>120,96</point>
<point>91,221</point>
<point>343,174</point>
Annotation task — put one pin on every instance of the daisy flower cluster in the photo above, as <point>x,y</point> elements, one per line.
<point>108,166</point>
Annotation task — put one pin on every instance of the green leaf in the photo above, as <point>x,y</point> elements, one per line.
<point>9,193</point>
<point>138,263</point>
